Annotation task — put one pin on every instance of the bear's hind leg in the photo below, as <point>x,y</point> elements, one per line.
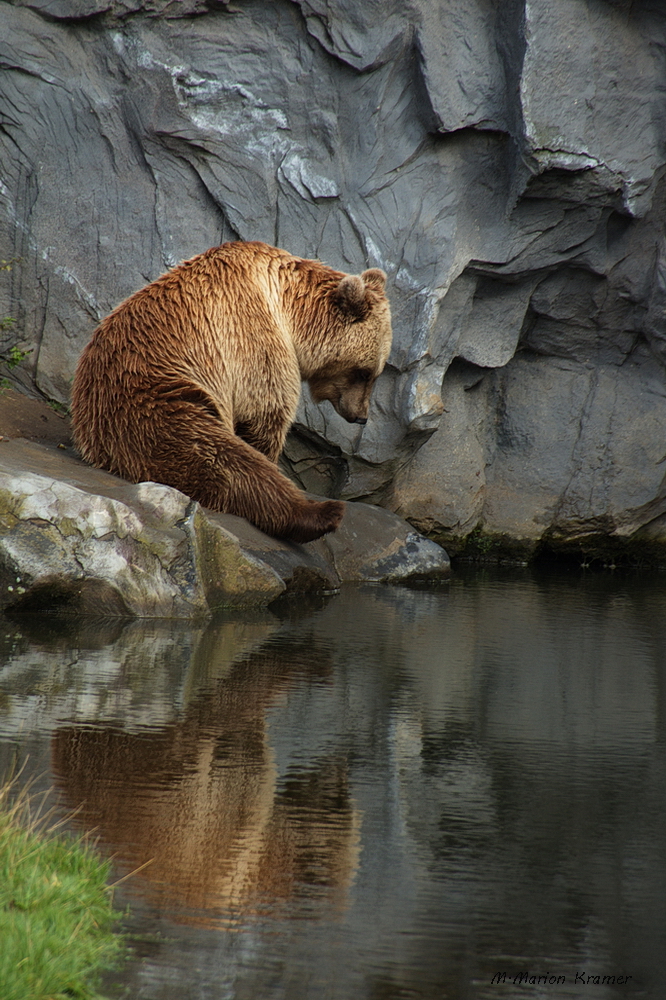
<point>254,488</point>
<point>210,464</point>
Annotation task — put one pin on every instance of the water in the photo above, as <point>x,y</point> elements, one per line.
<point>388,794</point>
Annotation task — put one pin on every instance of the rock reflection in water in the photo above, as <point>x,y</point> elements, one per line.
<point>200,796</point>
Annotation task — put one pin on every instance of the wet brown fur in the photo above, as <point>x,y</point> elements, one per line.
<point>194,380</point>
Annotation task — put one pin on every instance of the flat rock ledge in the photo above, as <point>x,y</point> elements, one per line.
<point>78,539</point>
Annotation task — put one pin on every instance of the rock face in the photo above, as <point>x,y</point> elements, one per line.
<point>504,163</point>
<point>78,539</point>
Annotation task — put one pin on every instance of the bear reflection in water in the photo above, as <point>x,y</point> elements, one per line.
<point>201,797</point>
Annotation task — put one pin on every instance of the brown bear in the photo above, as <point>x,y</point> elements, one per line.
<point>194,380</point>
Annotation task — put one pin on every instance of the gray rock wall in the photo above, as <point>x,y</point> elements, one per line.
<point>503,163</point>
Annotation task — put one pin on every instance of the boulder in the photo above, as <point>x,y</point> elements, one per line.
<point>82,540</point>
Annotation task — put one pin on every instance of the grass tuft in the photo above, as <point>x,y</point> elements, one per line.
<point>56,913</point>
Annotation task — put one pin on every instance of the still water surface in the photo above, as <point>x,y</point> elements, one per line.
<point>388,794</point>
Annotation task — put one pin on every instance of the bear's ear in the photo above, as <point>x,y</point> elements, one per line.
<point>375,278</point>
<point>350,296</point>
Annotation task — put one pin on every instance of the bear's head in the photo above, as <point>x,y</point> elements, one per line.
<point>361,340</point>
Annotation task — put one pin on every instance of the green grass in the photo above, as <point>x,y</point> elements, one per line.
<point>56,914</point>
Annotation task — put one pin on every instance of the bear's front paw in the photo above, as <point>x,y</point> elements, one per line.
<point>332,512</point>
<point>316,519</point>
